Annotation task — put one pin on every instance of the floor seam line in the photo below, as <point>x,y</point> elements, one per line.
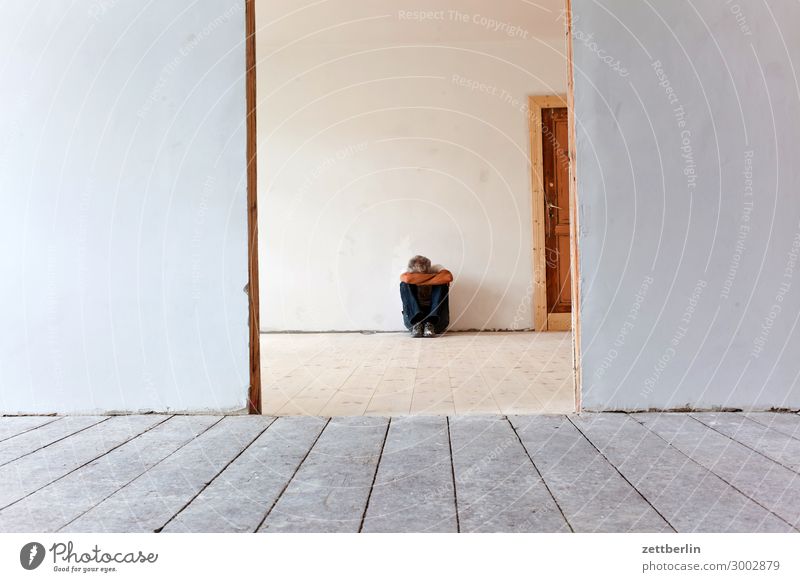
<point>709,470</point>
<point>453,474</point>
<point>375,475</point>
<point>769,427</point>
<point>538,472</point>
<point>92,460</point>
<point>628,481</point>
<point>55,441</point>
<point>291,478</point>
<point>214,478</point>
<point>140,474</point>
<point>795,471</point>
<point>56,419</point>
<point>734,487</point>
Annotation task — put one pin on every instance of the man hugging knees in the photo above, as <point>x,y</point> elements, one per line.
<point>424,290</point>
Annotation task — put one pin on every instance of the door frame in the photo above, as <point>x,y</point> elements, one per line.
<point>254,390</point>
<point>541,319</point>
<point>574,213</point>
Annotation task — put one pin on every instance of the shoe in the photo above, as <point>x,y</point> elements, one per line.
<point>428,331</point>
<point>416,330</point>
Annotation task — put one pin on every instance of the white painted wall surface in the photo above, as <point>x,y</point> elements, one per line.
<point>373,147</point>
<point>122,178</point>
<point>690,218</point>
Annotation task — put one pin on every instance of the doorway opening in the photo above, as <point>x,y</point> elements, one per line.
<point>382,137</point>
<point>549,131</point>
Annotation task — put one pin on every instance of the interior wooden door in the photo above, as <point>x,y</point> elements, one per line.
<point>555,166</point>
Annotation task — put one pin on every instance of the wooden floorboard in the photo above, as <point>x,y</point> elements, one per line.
<point>697,472</point>
<point>592,494</point>
<point>330,490</point>
<point>690,497</point>
<point>786,424</point>
<point>147,503</point>
<point>766,482</point>
<point>33,440</point>
<point>413,489</point>
<point>57,504</point>
<point>32,472</point>
<point>497,487</point>
<point>241,496</point>
<point>766,441</point>
<point>11,426</point>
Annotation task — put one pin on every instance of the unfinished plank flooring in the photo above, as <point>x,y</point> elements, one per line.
<point>593,495</point>
<point>46,465</point>
<point>499,489</point>
<point>758,437</point>
<point>28,442</point>
<point>15,425</point>
<point>392,374</point>
<point>686,494</point>
<point>330,490</point>
<point>413,489</point>
<point>769,484</point>
<point>788,424</point>
<point>93,483</point>
<point>721,472</point>
<point>150,501</point>
<point>241,496</point>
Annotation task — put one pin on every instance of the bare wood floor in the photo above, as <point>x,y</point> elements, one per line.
<point>391,374</point>
<point>698,472</point>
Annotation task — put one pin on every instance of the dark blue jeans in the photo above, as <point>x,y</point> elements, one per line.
<point>438,312</point>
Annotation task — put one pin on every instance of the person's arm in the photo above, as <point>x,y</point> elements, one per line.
<point>441,278</point>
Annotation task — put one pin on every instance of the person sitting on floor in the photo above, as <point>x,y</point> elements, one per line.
<point>424,290</point>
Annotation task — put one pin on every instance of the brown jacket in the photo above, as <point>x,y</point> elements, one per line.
<point>441,278</point>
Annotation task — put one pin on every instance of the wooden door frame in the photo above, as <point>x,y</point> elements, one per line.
<point>574,214</point>
<point>254,391</point>
<point>536,103</point>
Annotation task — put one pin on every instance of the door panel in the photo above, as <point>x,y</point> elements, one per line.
<point>555,162</point>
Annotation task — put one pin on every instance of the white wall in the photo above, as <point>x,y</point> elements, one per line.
<point>122,165</point>
<point>690,219</point>
<point>374,147</point>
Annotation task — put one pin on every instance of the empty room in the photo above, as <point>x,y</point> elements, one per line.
<point>383,134</point>
<point>416,268</point>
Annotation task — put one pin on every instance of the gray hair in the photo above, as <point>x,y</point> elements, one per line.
<point>419,264</point>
